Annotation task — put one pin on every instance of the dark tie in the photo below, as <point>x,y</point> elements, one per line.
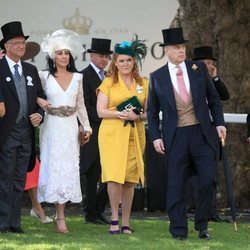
<point>102,74</point>
<point>181,85</point>
<point>16,73</point>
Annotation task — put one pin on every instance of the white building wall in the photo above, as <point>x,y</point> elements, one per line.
<point>114,19</point>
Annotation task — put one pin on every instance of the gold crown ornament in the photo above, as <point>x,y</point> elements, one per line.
<point>77,23</point>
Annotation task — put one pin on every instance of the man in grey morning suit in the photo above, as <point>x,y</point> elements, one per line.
<point>21,86</point>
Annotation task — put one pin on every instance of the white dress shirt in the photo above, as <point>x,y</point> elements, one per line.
<point>97,70</point>
<point>173,69</point>
<point>11,65</point>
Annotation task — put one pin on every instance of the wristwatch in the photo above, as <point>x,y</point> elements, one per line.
<point>216,79</point>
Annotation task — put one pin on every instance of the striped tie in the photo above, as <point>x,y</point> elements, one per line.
<point>16,72</point>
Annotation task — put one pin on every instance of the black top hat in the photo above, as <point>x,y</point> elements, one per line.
<point>173,36</point>
<point>11,30</point>
<point>204,52</point>
<point>100,46</point>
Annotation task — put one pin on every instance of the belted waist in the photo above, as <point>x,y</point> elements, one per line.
<point>62,111</point>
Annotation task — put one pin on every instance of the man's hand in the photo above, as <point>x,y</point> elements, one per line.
<point>222,133</point>
<point>159,146</point>
<point>248,140</point>
<point>212,71</point>
<point>35,119</point>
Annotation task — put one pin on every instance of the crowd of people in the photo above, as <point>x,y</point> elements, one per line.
<point>111,106</point>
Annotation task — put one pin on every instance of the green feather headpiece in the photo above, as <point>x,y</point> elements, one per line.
<point>136,48</point>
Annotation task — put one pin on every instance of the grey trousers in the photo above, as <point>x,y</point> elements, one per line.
<point>14,160</point>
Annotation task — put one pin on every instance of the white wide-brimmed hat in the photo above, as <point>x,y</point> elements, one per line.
<point>62,39</point>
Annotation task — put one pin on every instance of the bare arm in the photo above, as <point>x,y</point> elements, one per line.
<point>2,109</point>
<point>102,107</point>
<point>104,112</point>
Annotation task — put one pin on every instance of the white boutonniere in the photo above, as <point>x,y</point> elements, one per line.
<point>29,79</point>
<point>194,67</point>
<point>139,89</point>
<point>8,79</point>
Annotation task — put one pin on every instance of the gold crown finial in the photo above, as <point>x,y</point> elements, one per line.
<point>77,23</point>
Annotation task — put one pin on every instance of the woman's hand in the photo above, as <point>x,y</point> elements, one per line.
<point>87,136</point>
<point>44,104</point>
<point>128,115</point>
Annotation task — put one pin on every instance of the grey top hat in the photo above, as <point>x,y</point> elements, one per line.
<point>204,52</point>
<point>173,36</point>
<point>100,46</point>
<point>11,30</point>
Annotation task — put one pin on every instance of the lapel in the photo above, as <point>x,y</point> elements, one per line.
<point>193,80</point>
<point>94,76</point>
<point>26,73</point>
<point>7,76</point>
<point>167,85</point>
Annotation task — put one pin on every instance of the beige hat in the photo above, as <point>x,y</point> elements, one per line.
<point>32,49</point>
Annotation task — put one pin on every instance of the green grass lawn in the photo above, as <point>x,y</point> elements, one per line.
<point>149,234</point>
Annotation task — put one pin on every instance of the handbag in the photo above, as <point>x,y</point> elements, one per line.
<point>129,103</point>
<point>132,102</point>
<point>81,135</point>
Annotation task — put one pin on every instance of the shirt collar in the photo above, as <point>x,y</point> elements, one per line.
<point>172,66</point>
<point>97,70</point>
<point>11,63</point>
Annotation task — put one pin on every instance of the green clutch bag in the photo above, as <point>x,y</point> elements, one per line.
<point>131,102</point>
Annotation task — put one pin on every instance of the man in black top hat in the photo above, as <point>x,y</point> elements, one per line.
<point>21,86</point>
<point>185,94</point>
<point>206,55</point>
<point>95,198</point>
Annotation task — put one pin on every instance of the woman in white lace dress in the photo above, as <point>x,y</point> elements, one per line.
<point>59,180</point>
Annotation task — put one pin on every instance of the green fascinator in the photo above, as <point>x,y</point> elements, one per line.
<point>136,48</point>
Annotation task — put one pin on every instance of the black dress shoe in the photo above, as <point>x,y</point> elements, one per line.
<point>17,230</point>
<point>180,237</point>
<point>4,230</point>
<point>217,218</point>
<point>102,218</point>
<point>94,221</point>
<point>204,234</point>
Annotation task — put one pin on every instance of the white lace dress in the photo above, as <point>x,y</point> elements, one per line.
<point>59,179</point>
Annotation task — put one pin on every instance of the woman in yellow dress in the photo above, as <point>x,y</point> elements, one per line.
<point>122,133</point>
